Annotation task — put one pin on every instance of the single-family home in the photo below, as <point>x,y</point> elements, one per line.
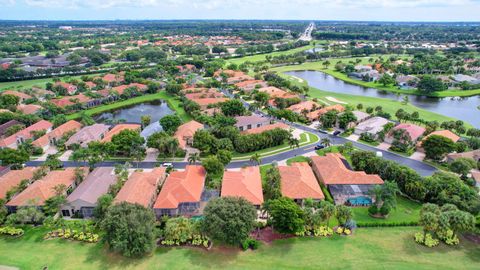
<point>407,81</point>
<point>264,128</point>
<point>29,108</point>
<point>274,92</point>
<point>246,183</point>
<point>475,155</point>
<point>204,93</point>
<point>5,126</point>
<point>298,182</point>
<point>13,178</point>
<point>71,100</point>
<point>251,121</point>
<point>27,133</point>
<point>303,107</point>
<point>476,176</point>
<point>359,115</point>
<point>315,115</point>
<point>117,129</point>
<point>444,133</point>
<point>83,199</point>
<point>88,134</point>
<point>413,131</point>
<point>205,102</point>
<point>22,96</point>
<point>250,85</point>
<point>41,190</point>
<point>185,132</point>
<point>345,185</point>
<point>371,126</point>
<point>112,79</point>
<point>142,187</point>
<point>71,89</point>
<point>181,193</point>
<point>52,137</point>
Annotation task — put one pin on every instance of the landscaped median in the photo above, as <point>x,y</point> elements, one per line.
<point>306,138</point>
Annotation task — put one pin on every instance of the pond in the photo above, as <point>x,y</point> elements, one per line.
<point>132,114</point>
<point>466,109</point>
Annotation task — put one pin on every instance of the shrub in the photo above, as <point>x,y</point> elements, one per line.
<point>339,230</point>
<point>428,241</point>
<point>373,210</point>
<point>250,243</point>
<point>384,210</point>
<point>12,231</point>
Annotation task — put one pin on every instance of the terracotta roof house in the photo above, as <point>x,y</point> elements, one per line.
<point>84,198</point>
<point>43,189</point>
<point>266,128</point>
<point>207,93</point>
<point>475,155</point>
<point>29,108</point>
<point>444,133</point>
<point>25,134</point>
<point>414,131</point>
<point>371,126</point>
<point>315,115</point>
<point>185,132</point>
<point>181,193</point>
<point>90,84</point>
<point>87,134</point>
<point>237,79</point>
<point>71,89</point>
<point>52,137</point>
<point>142,187</point>
<point>250,85</point>
<point>344,184</point>
<point>476,177</point>
<point>230,73</point>
<point>251,121</point>
<point>205,102</point>
<point>307,105</point>
<point>70,100</point>
<point>4,127</point>
<point>121,89</point>
<point>13,178</point>
<point>245,183</point>
<point>20,95</point>
<point>117,129</point>
<point>298,182</point>
<point>275,92</point>
<point>113,78</point>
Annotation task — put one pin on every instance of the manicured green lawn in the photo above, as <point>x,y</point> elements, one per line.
<point>407,211</point>
<point>30,83</point>
<point>331,71</point>
<point>368,248</point>
<point>262,57</point>
<point>173,103</point>
<point>297,159</point>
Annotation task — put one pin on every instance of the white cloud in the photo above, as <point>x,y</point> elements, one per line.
<point>217,4</point>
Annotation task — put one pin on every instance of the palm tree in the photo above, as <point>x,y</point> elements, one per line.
<point>193,158</point>
<point>294,142</point>
<point>377,193</point>
<point>255,159</point>
<point>326,211</point>
<point>326,141</point>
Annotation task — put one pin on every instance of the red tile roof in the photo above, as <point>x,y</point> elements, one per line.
<point>12,178</point>
<point>43,189</point>
<point>413,130</point>
<point>245,183</point>
<point>26,133</point>
<point>208,101</point>
<point>444,133</point>
<point>141,187</point>
<point>113,78</point>
<point>299,182</point>
<point>304,105</point>
<point>57,133</point>
<point>21,95</point>
<point>181,187</point>
<point>186,131</point>
<point>316,114</point>
<point>331,170</point>
<point>68,100</point>
<point>29,108</point>
<point>266,128</point>
<point>117,129</point>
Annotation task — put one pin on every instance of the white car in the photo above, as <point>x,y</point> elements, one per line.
<point>167,164</point>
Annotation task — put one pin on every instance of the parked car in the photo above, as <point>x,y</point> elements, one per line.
<point>322,131</point>
<point>379,154</point>
<point>336,133</point>
<point>319,146</point>
<point>167,165</point>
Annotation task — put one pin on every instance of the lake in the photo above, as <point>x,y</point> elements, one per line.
<point>465,109</point>
<point>132,114</point>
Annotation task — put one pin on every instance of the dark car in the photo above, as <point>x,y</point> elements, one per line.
<point>319,146</point>
<point>336,133</point>
<point>322,131</point>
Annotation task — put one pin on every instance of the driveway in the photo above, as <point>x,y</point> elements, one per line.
<point>418,156</point>
<point>65,156</point>
<point>50,151</point>
<point>384,146</point>
<point>152,154</point>
<point>353,137</point>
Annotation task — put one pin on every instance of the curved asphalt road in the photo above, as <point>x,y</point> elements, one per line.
<point>421,167</point>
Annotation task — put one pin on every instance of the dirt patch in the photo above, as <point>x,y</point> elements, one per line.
<point>268,235</point>
<point>472,238</point>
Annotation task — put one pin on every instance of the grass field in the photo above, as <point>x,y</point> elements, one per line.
<point>262,57</point>
<point>368,248</point>
<point>364,60</point>
<point>37,82</point>
<point>173,103</point>
<point>407,211</point>
<point>388,105</point>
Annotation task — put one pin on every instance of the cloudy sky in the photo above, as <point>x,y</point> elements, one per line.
<point>373,10</point>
